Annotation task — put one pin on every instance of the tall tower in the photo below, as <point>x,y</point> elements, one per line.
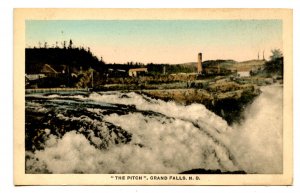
<point>199,66</point>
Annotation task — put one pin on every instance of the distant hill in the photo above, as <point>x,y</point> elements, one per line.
<point>74,58</point>
<point>192,66</point>
<point>212,63</point>
<point>227,64</point>
<point>187,64</point>
<point>224,67</point>
<point>209,63</point>
<point>247,65</point>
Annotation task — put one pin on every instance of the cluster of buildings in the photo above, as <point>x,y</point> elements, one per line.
<point>63,70</point>
<point>47,71</point>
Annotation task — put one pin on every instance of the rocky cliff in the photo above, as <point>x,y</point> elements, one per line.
<point>225,98</point>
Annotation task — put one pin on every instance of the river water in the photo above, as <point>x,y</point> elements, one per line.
<point>114,132</point>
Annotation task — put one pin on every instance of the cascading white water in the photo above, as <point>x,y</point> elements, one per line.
<point>169,138</point>
<point>257,142</point>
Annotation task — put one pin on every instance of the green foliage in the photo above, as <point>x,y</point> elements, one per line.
<point>276,53</point>
<point>78,58</point>
<point>212,63</point>
<point>158,69</point>
<point>275,65</point>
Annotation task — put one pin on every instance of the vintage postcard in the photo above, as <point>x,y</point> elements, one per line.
<point>153,97</point>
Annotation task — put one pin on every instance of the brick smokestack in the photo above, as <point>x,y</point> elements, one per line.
<point>199,67</point>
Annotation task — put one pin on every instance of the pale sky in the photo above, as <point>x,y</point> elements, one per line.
<point>162,41</point>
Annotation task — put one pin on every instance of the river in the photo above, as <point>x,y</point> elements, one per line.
<point>115,132</point>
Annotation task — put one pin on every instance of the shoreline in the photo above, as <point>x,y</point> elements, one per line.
<point>225,96</point>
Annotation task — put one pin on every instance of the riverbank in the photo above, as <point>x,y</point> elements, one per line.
<point>51,90</point>
<point>129,128</point>
<point>226,96</point>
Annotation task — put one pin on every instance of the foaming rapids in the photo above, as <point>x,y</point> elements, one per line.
<point>114,132</point>
<point>257,142</point>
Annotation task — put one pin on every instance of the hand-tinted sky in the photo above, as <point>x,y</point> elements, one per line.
<point>162,41</point>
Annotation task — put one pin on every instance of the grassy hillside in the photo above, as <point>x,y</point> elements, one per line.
<point>247,65</point>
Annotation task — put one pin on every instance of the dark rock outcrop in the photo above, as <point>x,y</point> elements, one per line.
<point>227,99</point>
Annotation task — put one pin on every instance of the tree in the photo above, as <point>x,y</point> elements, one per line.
<point>70,44</point>
<point>64,44</point>
<point>275,65</point>
<point>276,53</point>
